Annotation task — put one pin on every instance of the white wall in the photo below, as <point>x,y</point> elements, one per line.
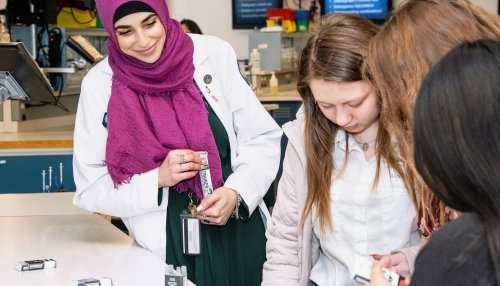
<point>215,18</point>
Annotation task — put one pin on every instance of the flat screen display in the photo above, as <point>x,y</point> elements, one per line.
<point>376,10</point>
<point>250,14</point>
<point>18,62</point>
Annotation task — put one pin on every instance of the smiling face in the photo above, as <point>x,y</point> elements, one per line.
<point>141,35</point>
<point>353,106</point>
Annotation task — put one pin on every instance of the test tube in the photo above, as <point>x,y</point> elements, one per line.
<point>43,181</point>
<point>61,173</point>
<point>50,177</point>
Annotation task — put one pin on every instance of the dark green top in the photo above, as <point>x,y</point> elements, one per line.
<point>230,255</point>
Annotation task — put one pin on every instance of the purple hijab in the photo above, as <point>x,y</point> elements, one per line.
<point>155,108</point>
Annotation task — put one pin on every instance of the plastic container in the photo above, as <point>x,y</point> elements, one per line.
<point>273,83</point>
<point>255,61</point>
<point>302,18</point>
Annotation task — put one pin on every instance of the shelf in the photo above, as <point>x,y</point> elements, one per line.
<point>287,35</point>
<point>287,92</point>
<point>286,70</point>
<point>87,32</point>
<point>295,35</point>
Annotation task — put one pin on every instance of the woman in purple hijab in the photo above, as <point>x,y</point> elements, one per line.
<point>168,132</point>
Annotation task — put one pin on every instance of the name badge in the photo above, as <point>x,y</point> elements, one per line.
<point>190,234</point>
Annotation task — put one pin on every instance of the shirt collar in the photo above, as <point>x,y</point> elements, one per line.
<point>340,141</point>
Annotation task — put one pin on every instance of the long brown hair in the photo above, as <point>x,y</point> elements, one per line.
<point>415,37</point>
<point>334,52</point>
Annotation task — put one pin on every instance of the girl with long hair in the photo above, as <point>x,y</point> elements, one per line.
<point>343,195</point>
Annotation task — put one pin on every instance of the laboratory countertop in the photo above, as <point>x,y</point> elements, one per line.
<point>40,139</point>
<point>287,92</point>
<point>84,245</point>
<point>280,97</point>
<point>64,138</point>
<point>39,204</point>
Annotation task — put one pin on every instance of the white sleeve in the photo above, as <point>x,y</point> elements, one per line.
<point>283,247</point>
<point>95,190</point>
<point>258,136</point>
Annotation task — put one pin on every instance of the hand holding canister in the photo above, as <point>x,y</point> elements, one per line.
<point>179,165</point>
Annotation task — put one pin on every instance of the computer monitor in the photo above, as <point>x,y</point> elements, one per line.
<point>251,14</point>
<point>21,77</point>
<point>375,10</point>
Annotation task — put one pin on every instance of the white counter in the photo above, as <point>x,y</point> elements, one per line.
<point>39,204</point>
<point>83,246</point>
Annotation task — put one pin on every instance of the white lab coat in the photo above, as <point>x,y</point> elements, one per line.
<point>253,135</point>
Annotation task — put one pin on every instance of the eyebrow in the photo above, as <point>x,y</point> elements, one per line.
<point>143,21</point>
<point>363,97</point>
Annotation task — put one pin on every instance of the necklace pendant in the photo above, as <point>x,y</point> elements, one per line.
<point>365,146</point>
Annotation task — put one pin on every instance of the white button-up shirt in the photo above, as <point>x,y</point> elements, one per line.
<point>366,220</point>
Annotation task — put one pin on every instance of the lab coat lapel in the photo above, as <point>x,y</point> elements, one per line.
<point>209,82</point>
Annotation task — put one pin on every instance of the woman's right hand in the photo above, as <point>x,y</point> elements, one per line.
<point>395,262</point>
<point>179,165</point>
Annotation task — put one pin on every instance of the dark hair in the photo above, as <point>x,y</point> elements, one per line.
<point>192,26</point>
<point>457,134</point>
<point>130,8</point>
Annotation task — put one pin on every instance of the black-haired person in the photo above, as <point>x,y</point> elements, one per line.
<point>190,26</point>
<point>460,97</point>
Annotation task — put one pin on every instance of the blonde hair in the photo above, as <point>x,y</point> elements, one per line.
<point>417,35</point>
<point>334,52</point>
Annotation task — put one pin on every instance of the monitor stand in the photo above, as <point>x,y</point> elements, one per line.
<point>10,88</point>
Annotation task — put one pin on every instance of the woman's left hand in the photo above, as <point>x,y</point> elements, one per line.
<point>218,208</point>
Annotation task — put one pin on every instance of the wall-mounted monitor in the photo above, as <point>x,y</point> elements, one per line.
<point>375,10</point>
<point>251,14</point>
<point>21,77</point>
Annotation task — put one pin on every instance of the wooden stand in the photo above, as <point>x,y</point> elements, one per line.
<point>11,126</point>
